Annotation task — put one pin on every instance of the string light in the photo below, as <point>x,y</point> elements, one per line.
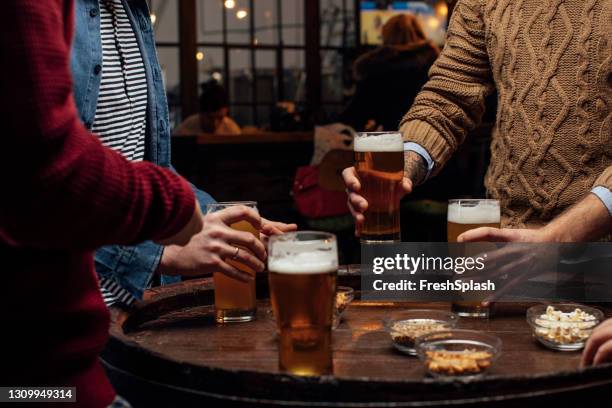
<point>153,18</point>
<point>442,9</point>
<point>240,14</point>
<point>230,4</point>
<point>199,55</point>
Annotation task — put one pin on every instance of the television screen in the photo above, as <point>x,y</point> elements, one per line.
<point>374,14</point>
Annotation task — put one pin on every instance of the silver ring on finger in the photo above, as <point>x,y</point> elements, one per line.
<point>235,256</point>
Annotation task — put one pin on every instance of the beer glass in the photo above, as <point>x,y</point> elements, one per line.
<point>464,215</point>
<point>302,275</point>
<point>379,161</point>
<point>235,300</point>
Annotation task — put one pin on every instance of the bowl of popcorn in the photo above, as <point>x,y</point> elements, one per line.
<point>406,326</point>
<point>458,353</point>
<point>563,326</point>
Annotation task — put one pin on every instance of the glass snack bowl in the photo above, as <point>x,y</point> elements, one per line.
<point>406,326</point>
<point>563,326</point>
<point>458,353</point>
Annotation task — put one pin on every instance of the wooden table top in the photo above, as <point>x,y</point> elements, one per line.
<point>361,347</point>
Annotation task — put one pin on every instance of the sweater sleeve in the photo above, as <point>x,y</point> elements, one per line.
<point>452,101</point>
<point>605,179</point>
<point>61,187</point>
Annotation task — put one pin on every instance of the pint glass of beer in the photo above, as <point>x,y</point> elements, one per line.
<point>302,274</point>
<point>464,215</point>
<point>379,161</point>
<point>235,300</point>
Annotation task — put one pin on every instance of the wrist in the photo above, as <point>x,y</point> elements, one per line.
<point>166,262</point>
<point>415,168</point>
<point>554,232</point>
<point>548,234</point>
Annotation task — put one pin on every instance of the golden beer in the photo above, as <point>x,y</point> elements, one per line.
<point>302,282</point>
<point>235,301</point>
<point>379,161</point>
<point>464,215</point>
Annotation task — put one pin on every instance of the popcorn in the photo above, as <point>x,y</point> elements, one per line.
<point>468,361</point>
<point>405,332</point>
<point>342,301</point>
<point>565,327</point>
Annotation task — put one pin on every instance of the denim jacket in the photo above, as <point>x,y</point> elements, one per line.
<point>131,266</point>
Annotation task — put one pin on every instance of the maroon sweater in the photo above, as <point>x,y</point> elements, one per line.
<point>62,194</point>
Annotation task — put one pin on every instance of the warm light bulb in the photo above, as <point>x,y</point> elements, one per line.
<point>442,9</point>
<point>199,55</point>
<point>230,4</point>
<point>153,18</point>
<point>241,14</point>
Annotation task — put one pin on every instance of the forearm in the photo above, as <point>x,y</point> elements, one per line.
<point>415,168</point>
<point>588,220</point>
<point>452,102</point>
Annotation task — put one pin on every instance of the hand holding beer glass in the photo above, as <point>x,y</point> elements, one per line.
<point>302,274</point>
<point>379,162</point>
<point>235,300</point>
<point>464,215</point>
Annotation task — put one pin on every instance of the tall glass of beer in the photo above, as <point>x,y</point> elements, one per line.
<point>464,215</point>
<point>379,161</point>
<point>302,274</point>
<point>235,301</point>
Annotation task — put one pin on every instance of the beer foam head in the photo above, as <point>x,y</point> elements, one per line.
<point>483,212</point>
<point>303,257</point>
<point>379,142</point>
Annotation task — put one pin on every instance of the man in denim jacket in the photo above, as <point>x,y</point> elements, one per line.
<point>125,272</point>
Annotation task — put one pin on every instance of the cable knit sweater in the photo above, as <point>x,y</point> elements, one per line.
<point>551,63</point>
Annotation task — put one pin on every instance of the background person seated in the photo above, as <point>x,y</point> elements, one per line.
<point>213,116</point>
<point>389,77</point>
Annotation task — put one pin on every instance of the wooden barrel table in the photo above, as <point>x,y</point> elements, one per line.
<point>168,352</point>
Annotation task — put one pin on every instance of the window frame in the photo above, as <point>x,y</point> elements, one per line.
<point>188,46</point>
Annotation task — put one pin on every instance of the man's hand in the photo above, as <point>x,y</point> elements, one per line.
<point>588,220</point>
<point>517,263</point>
<point>488,234</point>
<point>415,171</point>
<point>598,349</point>
<point>184,235</point>
<point>216,242</point>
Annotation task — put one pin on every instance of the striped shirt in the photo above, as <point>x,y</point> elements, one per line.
<point>120,120</point>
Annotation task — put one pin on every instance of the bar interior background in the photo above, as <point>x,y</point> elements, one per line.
<point>301,52</point>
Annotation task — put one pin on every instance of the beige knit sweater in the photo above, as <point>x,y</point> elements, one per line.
<point>551,62</point>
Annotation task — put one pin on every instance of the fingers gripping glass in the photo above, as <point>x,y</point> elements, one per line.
<point>379,162</point>
<point>235,301</point>
<point>464,215</point>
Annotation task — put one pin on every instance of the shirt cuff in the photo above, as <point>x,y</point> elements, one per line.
<point>605,195</point>
<point>417,148</point>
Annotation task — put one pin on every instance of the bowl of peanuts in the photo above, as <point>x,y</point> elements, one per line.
<point>563,326</point>
<point>458,353</point>
<point>404,327</point>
